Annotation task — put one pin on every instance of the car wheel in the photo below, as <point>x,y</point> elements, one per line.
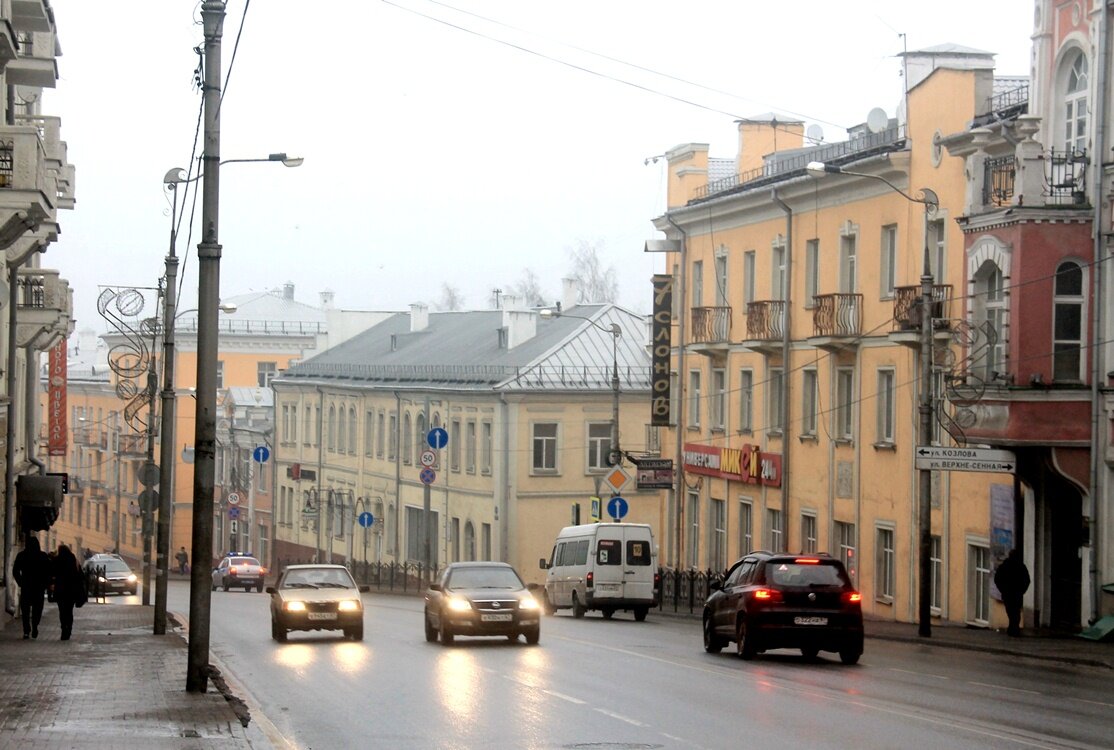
<point>446,632</point>
<point>608,614</point>
<point>430,631</point>
<point>354,634</point>
<point>578,609</point>
<point>224,584</point>
<point>512,637</point>
<point>713,643</point>
<point>640,613</point>
<point>810,653</point>
<point>549,607</point>
<point>214,585</point>
<point>258,588</point>
<point>744,645</point>
<point>278,632</point>
<point>849,656</point>
<point>533,636</point>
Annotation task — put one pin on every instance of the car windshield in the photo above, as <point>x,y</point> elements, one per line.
<point>114,566</point>
<point>484,578</point>
<point>316,578</point>
<point>804,574</point>
<point>243,561</point>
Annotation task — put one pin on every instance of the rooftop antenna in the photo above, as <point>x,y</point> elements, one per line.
<point>877,120</point>
<point>815,134</point>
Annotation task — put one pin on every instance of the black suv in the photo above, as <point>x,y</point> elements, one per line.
<point>772,600</point>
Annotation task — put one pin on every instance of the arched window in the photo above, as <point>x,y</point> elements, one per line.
<point>990,309</point>
<point>1075,104</point>
<point>407,438</point>
<point>420,433</point>
<point>1068,323</point>
<point>469,541</point>
<point>392,525</point>
<point>342,430</point>
<point>332,428</point>
<point>352,427</point>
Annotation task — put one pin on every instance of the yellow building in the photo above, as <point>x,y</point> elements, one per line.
<point>796,383</point>
<point>527,404</point>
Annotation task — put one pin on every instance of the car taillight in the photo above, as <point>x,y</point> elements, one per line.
<point>589,580</point>
<point>767,595</point>
<point>853,597</point>
<point>657,581</point>
<point>262,571</point>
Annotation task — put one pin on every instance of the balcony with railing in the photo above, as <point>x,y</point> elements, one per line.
<point>132,444</point>
<point>50,131</point>
<point>44,304</point>
<point>34,64</point>
<point>1066,178</point>
<point>765,323</point>
<point>26,184</point>
<point>999,176</point>
<point>711,327</point>
<point>907,307</point>
<point>8,44</point>
<point>837,318</point>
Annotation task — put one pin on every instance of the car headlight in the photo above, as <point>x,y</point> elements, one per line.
<point>349,605</point>
<point>102,579</point>
<point>132,578</point>
<point>458,604</point>
<point>528,603</point>
<point>295,606</point>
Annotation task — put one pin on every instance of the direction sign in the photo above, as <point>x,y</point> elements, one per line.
<point>427,475</point>
<point>365,519</point>
<point>233,498</point>
<point>940,458</point>
<point>428,458</point>
<point>617,507</point>
<point>437,438</point>
<point>260,454</point>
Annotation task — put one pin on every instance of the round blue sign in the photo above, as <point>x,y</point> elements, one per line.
<point>617,507</point>
<point>261,454</point>
<point>437,438</point>
<point>366,519</point>
<point>427,475</point>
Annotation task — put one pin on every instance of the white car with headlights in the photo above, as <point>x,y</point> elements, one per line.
<point>316,597</point>
<point>480,598</point>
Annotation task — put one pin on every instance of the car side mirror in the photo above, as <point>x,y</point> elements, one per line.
<point>543,563</point>
<point>270,589</point>
<point>364,588</point>
<point>715,585</point>
<point>435,587</point>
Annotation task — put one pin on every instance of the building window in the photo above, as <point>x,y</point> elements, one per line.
<point>774,402</point>
<point>937,250</point>
<point>352,427</point>
<point>889,261</point>
<point>884,565</point>
<point>342,430</point>
<point>369,433</point>
<point>469,541</point>
<point>748,276</point>
<point>294,424</point>
<point>721,277</point>
<point>220,374</point>
<point>697,284</point>
<point>777,269</point>
<point>470,447</point>
<point>717,407</point>
<point>454,444</point>
<point>989,308</point>
<point>485,448</point>
<point>416,536</point>
<point>808,533</point>
<point>392,442</point>
<point>746,527</point>
<point>746,401</point>
<point>809,395</point>
<point>848,264</point>
<point>694,530</point>
<point>455,530</point>
<point>653,440</point>
<point>306,434</point>
<point>937,577</point>
<point>421,434</point>
<point>885,404</point>
<point>1068,323</point>
<point>265,373</point>
<point>845,535</point>
<point>1075,105</point>
<point>599,445</point>
<point>380,437</point>
<point>545,448</point>
<point>485,540</point>
<point>978,584</point>
<point>694,398</point>
<point>774,530</point>
<point>407,436</point>
<point>718,548</point>
<point>812,272</point>
<point>845,399</point>
<point>332,429</point>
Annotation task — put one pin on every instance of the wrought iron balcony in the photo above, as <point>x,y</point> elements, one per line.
<point>132,445</point>
<point>1066,178</point>
<point>907,307</point>
<point>711,325</point>
<point>765,320</point>
<point>999,174</point>
<point>837,315</point>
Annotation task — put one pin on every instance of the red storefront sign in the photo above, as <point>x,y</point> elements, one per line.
<point>746,464</point>
<point>57,443</point>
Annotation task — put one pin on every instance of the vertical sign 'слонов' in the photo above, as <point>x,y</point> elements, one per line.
<point>661,349</point>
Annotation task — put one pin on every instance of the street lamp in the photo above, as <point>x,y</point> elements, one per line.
<point>615,455</point>
<point>927,402</point>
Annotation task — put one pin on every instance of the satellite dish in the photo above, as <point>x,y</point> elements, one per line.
<point>27,94</point>
<point>877,120</point>
<point>815,133</point>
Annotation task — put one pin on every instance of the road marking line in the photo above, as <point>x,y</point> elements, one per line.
<point>620,717</point>
<point>920,674</point>
<point>1003,687</point>
<point>564,697</point>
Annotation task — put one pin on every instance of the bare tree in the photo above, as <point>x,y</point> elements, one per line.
<point>596,284</point>
<point>528,289</point>
<point>451,299</point>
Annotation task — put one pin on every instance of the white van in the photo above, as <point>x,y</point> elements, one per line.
<point>604,566</point>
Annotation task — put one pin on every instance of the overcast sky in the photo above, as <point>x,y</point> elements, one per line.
<point>434,154</point>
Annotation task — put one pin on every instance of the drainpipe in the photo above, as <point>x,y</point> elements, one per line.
<point>30,412</point>
<point>322,435</point>
<point>785,368</point>
<point>9,448</point>
<point>1098,308</point>
<point>398,475</point>
<point>505,480</point>
<point>679,492</point>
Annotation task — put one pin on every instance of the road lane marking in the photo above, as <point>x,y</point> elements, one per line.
<point>919,674</point>
<point>620,717</point>
<point>1003,687</point>
<point>564,697</point>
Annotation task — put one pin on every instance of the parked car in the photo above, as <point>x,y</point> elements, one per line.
<point>769,601</point>
<point>480,598</point>
<point>236,571</point>
<point>109,574</point>
<point>316,597</point>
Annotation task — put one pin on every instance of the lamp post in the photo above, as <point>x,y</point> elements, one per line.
<point>927,401</point>
<point>615,455</point>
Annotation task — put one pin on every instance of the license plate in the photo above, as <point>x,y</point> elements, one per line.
<point>321,616</point>
<point>507,617</point>
<point>810,620</point>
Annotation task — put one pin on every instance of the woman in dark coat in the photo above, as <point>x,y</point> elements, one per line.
<point>31,570</point>
<point>69,587</point>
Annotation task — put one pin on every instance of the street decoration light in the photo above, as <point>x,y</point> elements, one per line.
<point>927,401</point>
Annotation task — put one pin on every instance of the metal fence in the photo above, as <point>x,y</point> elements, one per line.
<point>381,576</point>
<point>685,590</point>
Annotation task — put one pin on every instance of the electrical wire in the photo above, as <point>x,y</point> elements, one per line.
<point>232,61</point>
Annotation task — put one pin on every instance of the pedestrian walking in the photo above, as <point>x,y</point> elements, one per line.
<point>183,559</point>
<point>1012,580</point>
<point>31,570</point>
<point>69,588</point>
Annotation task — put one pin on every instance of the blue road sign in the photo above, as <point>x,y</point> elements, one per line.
<point>427,475</point>
<point>617,507</point>
<point>234,513</point>
<point>261,454</point>
<point>437,438</point>
<point>365,519</point>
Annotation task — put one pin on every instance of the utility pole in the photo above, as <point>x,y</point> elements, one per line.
<point>208,299</point>
<point>114,445</point>
<point>147,507</point>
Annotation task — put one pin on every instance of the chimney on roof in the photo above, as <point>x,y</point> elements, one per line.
<point>326,299</point>
<point>510,302</point>
<point>419,317</point>
<point>288,291</point>
<point>518,326</point>
<point>570,293</point>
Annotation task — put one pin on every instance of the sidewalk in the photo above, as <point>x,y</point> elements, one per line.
<point>112,685</point>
